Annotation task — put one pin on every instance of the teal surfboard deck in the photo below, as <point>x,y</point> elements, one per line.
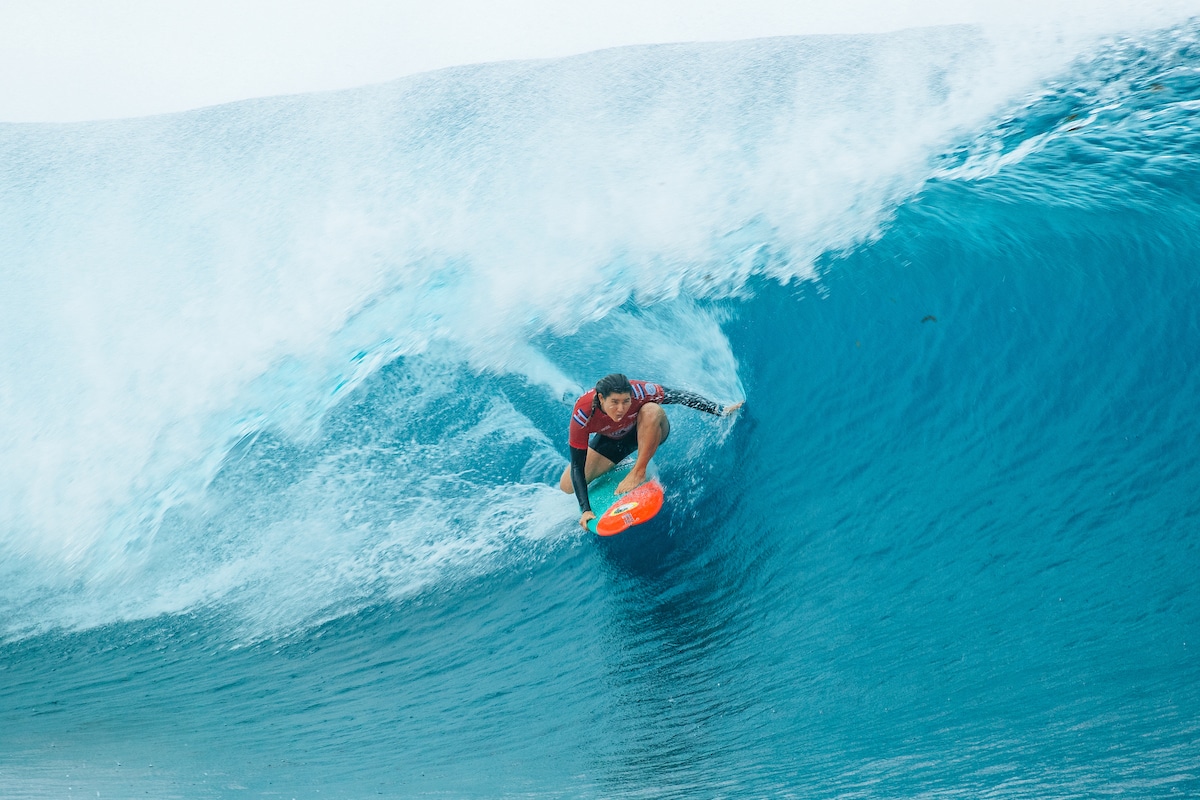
<point>602,492</point>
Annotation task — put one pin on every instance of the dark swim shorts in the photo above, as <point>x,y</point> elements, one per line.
<point>615,450</point>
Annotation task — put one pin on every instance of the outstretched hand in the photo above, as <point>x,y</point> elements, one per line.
<point>727,410</point>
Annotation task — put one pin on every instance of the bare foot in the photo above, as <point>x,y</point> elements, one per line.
<point>634,479</point>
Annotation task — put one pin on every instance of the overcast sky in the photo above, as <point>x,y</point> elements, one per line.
<point>63,60</point>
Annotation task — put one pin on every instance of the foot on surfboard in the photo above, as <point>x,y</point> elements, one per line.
<point>621,512</point>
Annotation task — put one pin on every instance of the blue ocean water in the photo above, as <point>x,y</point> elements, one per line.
<point>286,386</point>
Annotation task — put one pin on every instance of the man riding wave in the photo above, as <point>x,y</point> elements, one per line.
<point>621,416</point>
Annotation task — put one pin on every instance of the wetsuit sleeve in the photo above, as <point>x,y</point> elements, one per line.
<point>579,479</point>
<point>691,400</point>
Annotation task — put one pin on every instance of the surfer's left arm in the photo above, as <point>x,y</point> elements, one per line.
<point>692,400</point>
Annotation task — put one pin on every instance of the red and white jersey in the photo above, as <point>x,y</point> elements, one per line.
<point>585,421</point>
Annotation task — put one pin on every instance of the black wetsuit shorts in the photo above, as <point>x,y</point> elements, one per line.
<point>615,450</point>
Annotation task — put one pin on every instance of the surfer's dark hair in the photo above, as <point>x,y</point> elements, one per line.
<point>611,384</point>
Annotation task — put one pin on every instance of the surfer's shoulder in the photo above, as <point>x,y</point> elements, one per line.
<point>581,414</point>
<point>586,401</point>
<point>647,390</point>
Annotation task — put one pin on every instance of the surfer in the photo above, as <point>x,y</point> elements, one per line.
<point>621,416</point>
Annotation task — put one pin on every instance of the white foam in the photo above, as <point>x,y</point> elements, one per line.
<point>173,284</point>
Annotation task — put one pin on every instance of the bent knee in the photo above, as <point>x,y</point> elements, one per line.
<point>654,414</point>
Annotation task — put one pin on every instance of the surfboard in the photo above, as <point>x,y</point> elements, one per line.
<point>621,512</point>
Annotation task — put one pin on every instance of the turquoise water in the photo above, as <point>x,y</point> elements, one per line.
<point>286,386</point>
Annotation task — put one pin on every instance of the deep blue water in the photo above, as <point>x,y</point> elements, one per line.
<point>287,385</point>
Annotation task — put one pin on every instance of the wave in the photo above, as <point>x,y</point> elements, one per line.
<point>316,349</point>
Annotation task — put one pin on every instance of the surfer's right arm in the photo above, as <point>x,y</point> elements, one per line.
<point>579,483</point>
<point>577,441</point>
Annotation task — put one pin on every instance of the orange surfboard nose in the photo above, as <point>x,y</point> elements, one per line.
<point>631,509</point>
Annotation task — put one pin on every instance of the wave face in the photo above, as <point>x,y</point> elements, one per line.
<point>286,385</point>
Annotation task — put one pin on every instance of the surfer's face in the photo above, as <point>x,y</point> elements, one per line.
<point>616,405</point>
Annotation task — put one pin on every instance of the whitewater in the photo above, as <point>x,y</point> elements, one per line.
<point>285,389</point>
